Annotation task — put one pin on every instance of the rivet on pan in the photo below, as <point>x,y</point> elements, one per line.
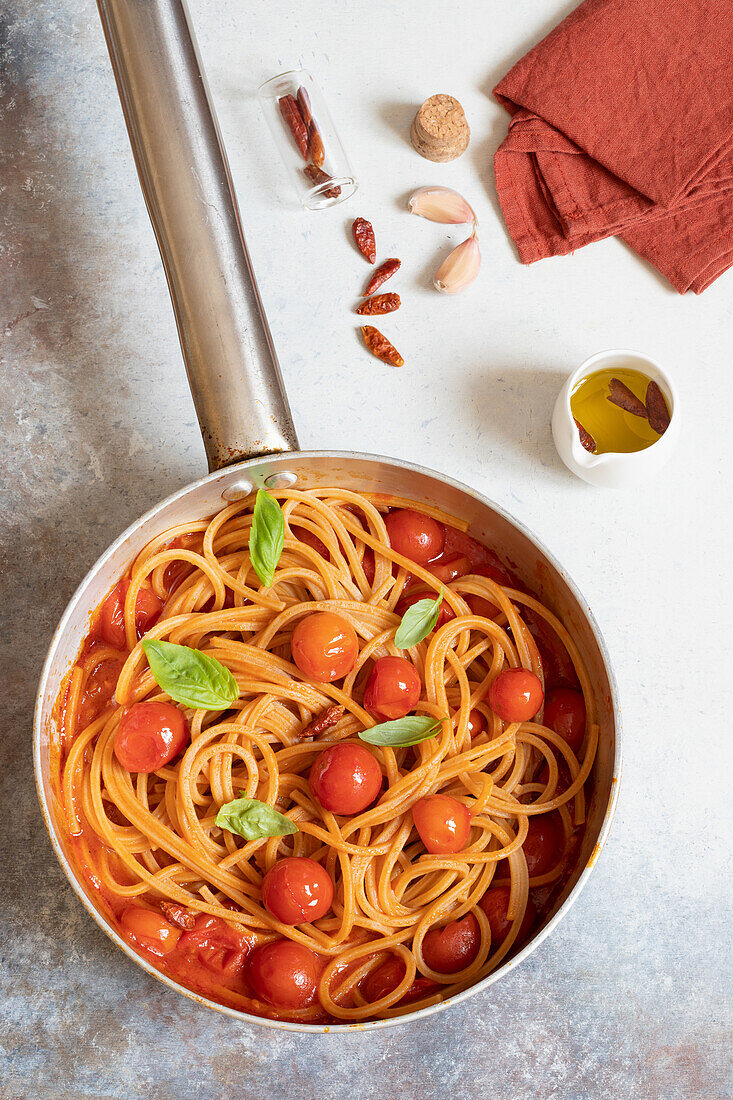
<point>283,480</point>
<point>238,490</point>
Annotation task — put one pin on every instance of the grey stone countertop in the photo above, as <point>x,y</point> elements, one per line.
<point>630,997</point>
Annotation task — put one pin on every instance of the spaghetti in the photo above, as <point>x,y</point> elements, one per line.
<point>187,893</point>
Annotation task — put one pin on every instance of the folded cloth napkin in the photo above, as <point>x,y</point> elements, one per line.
<point>623,125</point>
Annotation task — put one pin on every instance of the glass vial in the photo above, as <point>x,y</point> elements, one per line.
<point>311,149</point>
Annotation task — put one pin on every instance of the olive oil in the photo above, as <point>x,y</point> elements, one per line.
<point>612,428</point>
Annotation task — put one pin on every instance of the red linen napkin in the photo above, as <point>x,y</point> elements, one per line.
<point>623,125</point>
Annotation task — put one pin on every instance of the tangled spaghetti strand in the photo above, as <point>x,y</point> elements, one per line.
<point>152,838</point>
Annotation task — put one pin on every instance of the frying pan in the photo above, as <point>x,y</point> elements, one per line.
<point>248,430</point>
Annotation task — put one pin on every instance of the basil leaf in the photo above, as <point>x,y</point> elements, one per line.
<point>253,819</point>
<point>267,537</point>
<point>190,676</point>
<point>417,622</point>
<point>402,732</point>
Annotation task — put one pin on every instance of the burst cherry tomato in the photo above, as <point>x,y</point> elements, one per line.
<point>112,616</point>
<point>476,723</point>
<point>324,646</point>
<point>150,929</point>
<point>98,690</point>
<point>385,979</point>
<point>296,890</point>
<point>284,973</point>
<point>458,544</point>
<point>345,779</point>
<point>565,714</point>
<point>452,947</point>
<point>393,688</point>
<point>213,944</point>
<point>414,535</point>
<point>495,903</point>
<point>445,614</point>
<point>150,735</point>
<point>450,569</point>
<point>516,695</point>
<point>544,843</point>
<point>444,823</point>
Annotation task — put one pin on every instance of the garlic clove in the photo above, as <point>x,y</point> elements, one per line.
<point>460,268</point>
<point>440,204</point>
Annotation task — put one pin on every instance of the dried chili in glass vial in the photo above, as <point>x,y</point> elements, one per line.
<point>309,145</point>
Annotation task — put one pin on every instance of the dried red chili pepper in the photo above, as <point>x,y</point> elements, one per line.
<point>323,721</point>
<point>176,914</point>
<point>364,236</point>
<point>386,271</point>
<point>586,439</point>
<point>380,346</point>
<point>294,120</point>
<point>316,150</point>
<point>620,394</point>
<point>657,410</point>
<point>319,176</point>
<point>380,303</point>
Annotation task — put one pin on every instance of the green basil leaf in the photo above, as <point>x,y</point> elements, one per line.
<point>417,622</point>
<point>267,537</point>
<point>190,676</point>
<point>253,819</point>
<point>404,731</point>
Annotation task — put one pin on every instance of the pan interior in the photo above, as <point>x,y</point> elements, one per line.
<point>363,473</point>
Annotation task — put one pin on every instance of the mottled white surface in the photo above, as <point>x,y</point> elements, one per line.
<point>631,996</point>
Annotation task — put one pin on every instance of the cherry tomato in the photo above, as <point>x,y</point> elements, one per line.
<point>150,735</point>
<point>565,714</point>
<point>284,973</point>
<point>452,947</point>
<point>557,667</point>
<point>216,946</point>
<point>345,779</point>
<point>445,614</point>
<point>176,571</point>
<point>476,723</point>
<point>98,690</point>
<point>385,979</point>
<point>516,695</point>
<point>481,606</point>
<point>112,616</point>
<point>444,823</point>
<point>563,778</point>
<point>415,536</point>
<point>544,843</point>
<point>495,903</point>
<point>450,569</point>
<point>296,890</point>
<point>393,688</point>
<point>306,536</point>
<point>368,565</point>
<point>150,929</point>
<point>324,646</point>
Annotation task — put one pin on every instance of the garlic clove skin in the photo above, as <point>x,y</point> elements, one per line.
<point>460,268</point>
<point>440,204</point>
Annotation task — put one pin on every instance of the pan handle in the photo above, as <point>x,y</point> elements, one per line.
<point>227,346</point>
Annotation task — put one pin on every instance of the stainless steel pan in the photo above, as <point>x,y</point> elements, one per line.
<point>246,424</point>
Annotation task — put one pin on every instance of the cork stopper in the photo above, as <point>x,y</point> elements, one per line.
<point>439,130</point>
